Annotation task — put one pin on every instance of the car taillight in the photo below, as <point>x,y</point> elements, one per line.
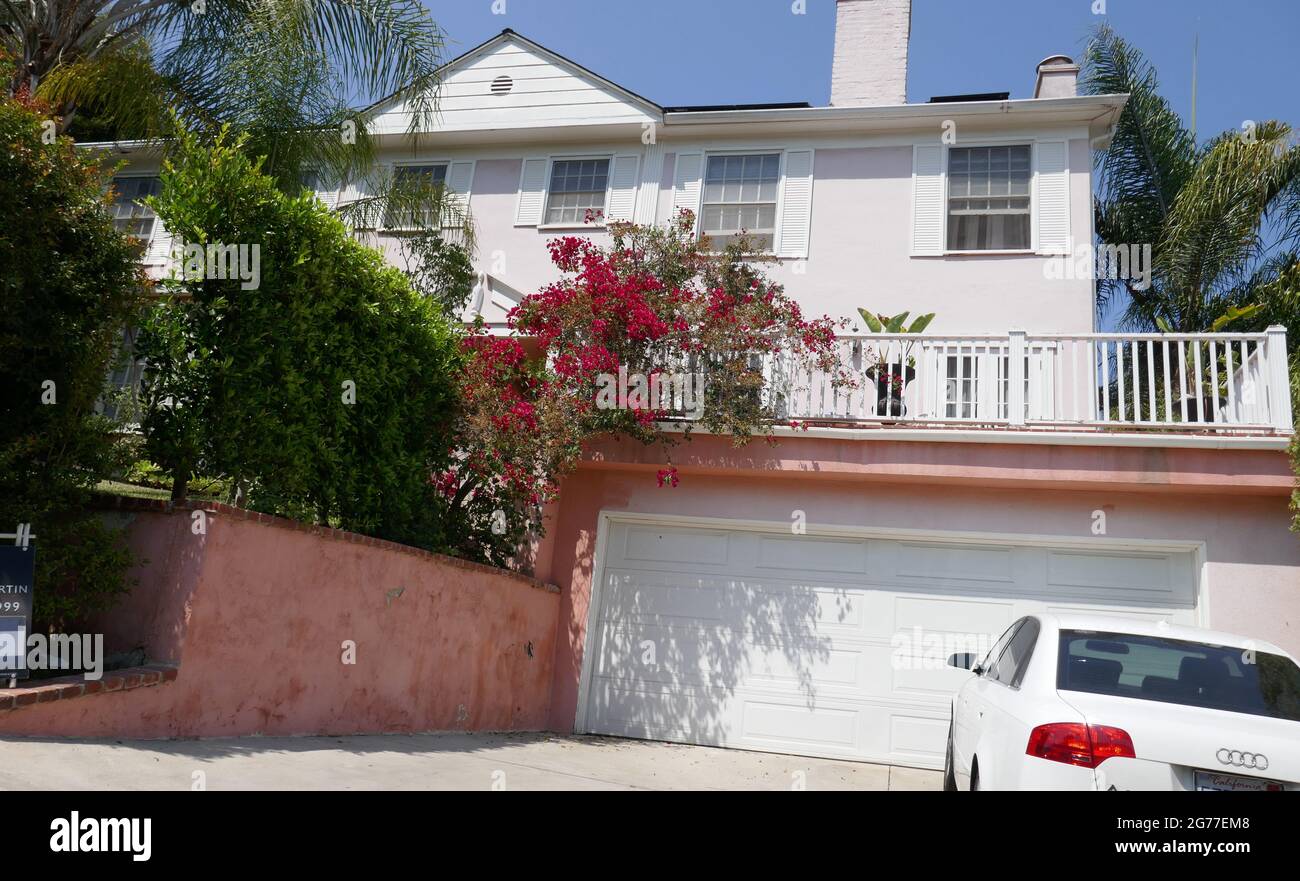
<point>1077,744</point>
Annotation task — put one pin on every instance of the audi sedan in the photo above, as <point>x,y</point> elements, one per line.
<point>1095,703</point>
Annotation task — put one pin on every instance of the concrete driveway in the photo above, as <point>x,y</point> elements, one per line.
<point>427,762</point>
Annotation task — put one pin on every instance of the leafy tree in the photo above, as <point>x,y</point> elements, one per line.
<point>325,392</point>
<point>1223,218</point>
<point>68,285</point>
<point>439,268</point>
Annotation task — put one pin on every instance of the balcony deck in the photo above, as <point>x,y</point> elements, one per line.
<point>1206,384</point>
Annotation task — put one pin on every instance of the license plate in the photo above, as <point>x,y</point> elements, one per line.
<point>1210,781</point>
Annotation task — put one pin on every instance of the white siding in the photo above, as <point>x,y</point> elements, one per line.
<point>544,92</point>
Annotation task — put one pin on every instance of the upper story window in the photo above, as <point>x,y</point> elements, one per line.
<point>130,215</point>
<point>413,178</point>
<point>577,186</point>
<point>740,197</point>
<point>988,198</point>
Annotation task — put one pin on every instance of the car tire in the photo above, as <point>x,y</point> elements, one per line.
<point>949,774</point>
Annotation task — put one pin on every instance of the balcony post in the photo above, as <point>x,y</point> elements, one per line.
<point>1279,382</point>
<point>1016,378</point>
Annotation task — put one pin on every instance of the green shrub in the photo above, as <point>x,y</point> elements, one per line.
<point>68,286</point>
<point>323,393</point>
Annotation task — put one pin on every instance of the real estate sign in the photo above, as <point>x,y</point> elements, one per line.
<point>17,577</point>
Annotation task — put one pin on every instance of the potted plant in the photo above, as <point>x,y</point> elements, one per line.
<point>892,371</point>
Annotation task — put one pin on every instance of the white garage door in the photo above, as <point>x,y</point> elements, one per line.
<point>828,646</point>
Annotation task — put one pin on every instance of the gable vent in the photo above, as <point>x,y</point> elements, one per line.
<point>502,85</point>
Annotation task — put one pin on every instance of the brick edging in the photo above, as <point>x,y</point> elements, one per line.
<point>166,506</point>
<point>68,687</point>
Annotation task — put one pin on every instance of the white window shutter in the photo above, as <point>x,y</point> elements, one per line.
<point>160,245</point>
<point>927,200</point>
<point>622,187</point>
<point>796,204</point>
<point>1052,174</point>
<point>460,178</point>
<point>532,192</point>
<point>686,183</point>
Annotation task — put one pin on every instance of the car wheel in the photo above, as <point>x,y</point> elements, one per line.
<point>949,775</point>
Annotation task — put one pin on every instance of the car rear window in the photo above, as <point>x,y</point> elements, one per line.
<point>1179,671</point>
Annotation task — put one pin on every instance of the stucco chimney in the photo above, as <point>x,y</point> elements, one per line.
<point>870,66</point>
<point>1058,77</point>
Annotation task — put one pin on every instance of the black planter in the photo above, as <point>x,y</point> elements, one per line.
<point>1205,407</point>
<point>889,394</point>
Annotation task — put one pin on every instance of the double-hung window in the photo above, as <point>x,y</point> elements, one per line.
<point>740,195</point>
<point>577,186</point>
<point>989,198</point>
<point>412,185</point>
<point>130,215</point>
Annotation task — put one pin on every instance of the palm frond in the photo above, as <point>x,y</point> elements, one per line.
<point>1151,153</point>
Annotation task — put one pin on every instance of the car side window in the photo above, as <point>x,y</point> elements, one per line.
<point>990,662</point>
<point>1014,661</point>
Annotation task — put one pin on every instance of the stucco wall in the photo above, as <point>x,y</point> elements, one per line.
<point>859,253</point>
<point>256,614</point>
<point>1252,561</point>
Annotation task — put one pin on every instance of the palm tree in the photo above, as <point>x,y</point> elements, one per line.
<point>286,72</point>
<point>1222,218</point>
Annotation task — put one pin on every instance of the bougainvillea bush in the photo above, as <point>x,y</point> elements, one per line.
<point>653,302</point>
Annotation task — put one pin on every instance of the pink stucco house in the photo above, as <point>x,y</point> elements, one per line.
<point>802,597</point>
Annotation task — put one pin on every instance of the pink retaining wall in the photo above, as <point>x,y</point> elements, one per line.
<point>256,613</point>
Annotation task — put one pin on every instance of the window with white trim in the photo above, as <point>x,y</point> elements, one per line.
<point>413,180</point>
<point>577,186</point>
<point>740,194</point>
<point>130,215</point>
<point>988,198</point>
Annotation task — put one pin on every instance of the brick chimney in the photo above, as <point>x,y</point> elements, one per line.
<point>870,66</point>
<point>1058,77</point>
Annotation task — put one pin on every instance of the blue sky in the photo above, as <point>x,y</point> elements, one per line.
<point>736,51</point>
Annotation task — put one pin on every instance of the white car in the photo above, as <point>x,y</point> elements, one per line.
<point>1099,703</point>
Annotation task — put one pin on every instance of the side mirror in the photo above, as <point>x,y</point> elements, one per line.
<point>962,660</point>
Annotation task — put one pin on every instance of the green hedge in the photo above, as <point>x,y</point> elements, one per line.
<point>68,286</point>
<point>254,385</point>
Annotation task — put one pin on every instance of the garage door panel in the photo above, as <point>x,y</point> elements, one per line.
<point>946,614</point>
<point>780,724</point>
<point>933,562</point>
<point>924,738</point>
<point>805,554</point>
<point>743,603</point>
<point>682,715</point>
<point>694,546</point>
<point>823,645</point>
<point>705,657</point>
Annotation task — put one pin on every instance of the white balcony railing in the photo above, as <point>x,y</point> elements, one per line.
<point>1234,382</point>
